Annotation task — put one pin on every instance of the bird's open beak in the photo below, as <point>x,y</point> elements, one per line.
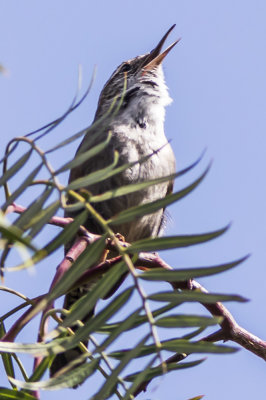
<point>155,58</point>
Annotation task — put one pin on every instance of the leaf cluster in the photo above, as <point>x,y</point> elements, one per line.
<point>130,313</point>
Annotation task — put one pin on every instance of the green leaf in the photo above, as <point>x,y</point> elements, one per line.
<point>87,259</point>
<point>16,167</point>
<point>62,344</point>
<point>24,220</point>
<point>40,370</point>
<point>178,346</point>
<point>172,242</point>
<point>67,233</point>
<point>149,208</point>
<point>159,274</point>
<point>20,366</point>
<point>37,349</point>
<point>110,385</point>
<point>63,237</point>
<point>131,188</point>
<point>101,197</point>
<point>94,177</point>
<point>157,371</point>
<point>184,321</point>
<point>14,310</point>
<point>41,219</point>
<point>109,171</point>
<point>66,380</point>
<point>9,394</point>
<point>53,124</point>
<point>81,158</point>
<point>124,326</point>
<point>7,358</point>
<point>84,305</point>
<point>140,320</point>
<point>22,187</point>
<point>67,141</point>
<point>139,378</point>
<point>92,133</point>
<point>94,323</point>
<point>188,295</point>
<point>14,235</point>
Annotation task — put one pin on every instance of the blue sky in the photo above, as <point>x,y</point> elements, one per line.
<point>216,77</point>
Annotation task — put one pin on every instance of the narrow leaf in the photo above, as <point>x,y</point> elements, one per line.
<point>157,371</point>
<point>67,141</point>
<point>37,349</point>
<point>88,258</point>
<point>9,394</point>
<point>131,188</point>
<point>54,244</point>
<point>70,109</point>
<point>140,320</point>
<point>41,219</point>
<point>77,206</point>
<point>22,187</point>
<point>139,379</point>
<point>109,172</point>
<point>89,327</point>
<point>149,208</point>
<point>12,170</point>
<point>109,386</point>
<point>15,235</point>
<point>66,380</point>
<point>67,233</point>
<point>179,346</point>
<point>84,305</point>
<point>24,220</point>
<point>184,321</point>
<point>94,177</point>
<point>83,157</point>
<point>187,295</point>
<point>159,274</point>
<point>7,358</point>
<point>62,344</point>
<point>95,322</point>
<point>171,242</point>
<point>20,366</point>
<point>40,370</point>
<point>125,325</point>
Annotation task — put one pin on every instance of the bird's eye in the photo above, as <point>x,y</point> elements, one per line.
<point>126,67</point>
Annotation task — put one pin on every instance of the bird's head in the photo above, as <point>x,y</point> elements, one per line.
<point>142,75</point>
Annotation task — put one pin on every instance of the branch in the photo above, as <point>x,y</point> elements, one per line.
<point>229,328</point>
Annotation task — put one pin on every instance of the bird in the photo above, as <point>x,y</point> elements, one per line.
<point>137,130</point>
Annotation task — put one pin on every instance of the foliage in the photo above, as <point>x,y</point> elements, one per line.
<point>141,318</point>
